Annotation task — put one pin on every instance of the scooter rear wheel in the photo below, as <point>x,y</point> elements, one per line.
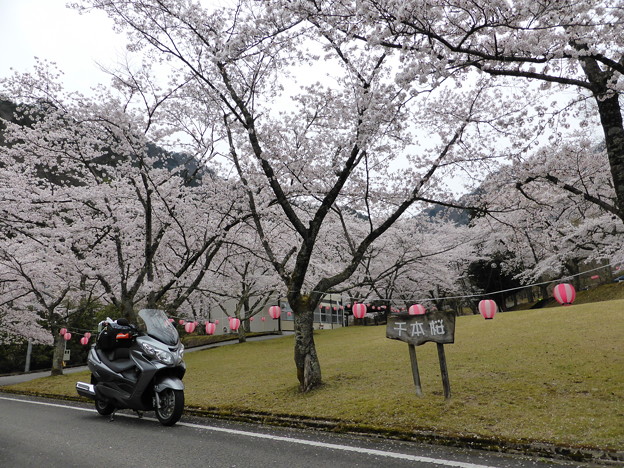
<point>171,406</point>
<point>104,407</point>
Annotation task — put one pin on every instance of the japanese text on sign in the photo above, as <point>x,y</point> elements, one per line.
<point>438,327</point>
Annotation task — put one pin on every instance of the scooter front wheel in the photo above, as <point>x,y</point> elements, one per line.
<point>104,407</point>
<point>171,406</point>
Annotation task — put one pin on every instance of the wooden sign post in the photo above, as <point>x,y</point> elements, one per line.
<point>415,330</point>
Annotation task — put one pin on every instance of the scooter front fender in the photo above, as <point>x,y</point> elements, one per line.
<point>163,382</point>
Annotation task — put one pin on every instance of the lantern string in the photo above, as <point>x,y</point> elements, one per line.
<point>75,330</point>
<point>483,294</point>
<point>412,299</point>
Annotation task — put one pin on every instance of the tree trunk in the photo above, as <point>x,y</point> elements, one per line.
<point>611,120</point>
<point>573,268</point>
<point>57,357</point>
<point>613,128</point>
<point>306,360</point>
<point>242,336</point>
<point>127,310</point>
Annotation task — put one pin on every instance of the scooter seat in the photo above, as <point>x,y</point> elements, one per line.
<point>118,365</point>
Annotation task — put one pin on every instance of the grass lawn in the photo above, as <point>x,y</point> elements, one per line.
<point>554,375</point>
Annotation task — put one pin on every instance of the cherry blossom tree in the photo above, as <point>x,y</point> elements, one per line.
<point>41,290</point>
<point>573,45</point>
<point>242,278</point>
<point>551,232</point>
<point>335,143</point>
<point>420,260</point>
<point>25,301</point>
<point>130,217</point>
<point>439,271</point>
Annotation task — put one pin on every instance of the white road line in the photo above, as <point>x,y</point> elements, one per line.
<point>292,440</point>
<point>43,403</point>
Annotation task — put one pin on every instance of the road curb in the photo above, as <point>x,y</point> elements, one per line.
<point>529,448</point>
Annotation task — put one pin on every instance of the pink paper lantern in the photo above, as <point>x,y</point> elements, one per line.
<point>84,341</point>
<point>217,322</point>
<point>263,319</point>
<point>67,336</point>
<point>181,321</point>
<point>417,309</point>
<point>488,308</point>
<point>62,331</point>
<point>359,310</point>
<point>234,323</point>
<point>564,293</point>
<point>595,277</point>
<point>289,313</point>
<point>251,319</point>
<point>189,327</point>
<point>210,328</point>
<point>87,335</point>
<point>171,320</point>
<point>275,312</point>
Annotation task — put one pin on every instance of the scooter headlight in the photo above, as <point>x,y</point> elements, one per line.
<point>148,349</point>
<point>163,356</point>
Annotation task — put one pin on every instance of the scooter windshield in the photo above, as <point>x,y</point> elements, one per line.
<point>155,323</point>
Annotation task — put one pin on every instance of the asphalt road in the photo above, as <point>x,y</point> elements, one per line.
<point>40,432</point>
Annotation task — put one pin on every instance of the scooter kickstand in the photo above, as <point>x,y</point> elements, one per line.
<point>139,414</point>
<point>112,416</point>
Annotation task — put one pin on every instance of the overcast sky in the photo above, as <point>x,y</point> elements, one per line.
<point>48,29</point>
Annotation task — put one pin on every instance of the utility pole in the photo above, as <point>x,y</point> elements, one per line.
<point>28,355</point>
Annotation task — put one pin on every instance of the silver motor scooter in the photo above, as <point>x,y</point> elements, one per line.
<point>139,368</point>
